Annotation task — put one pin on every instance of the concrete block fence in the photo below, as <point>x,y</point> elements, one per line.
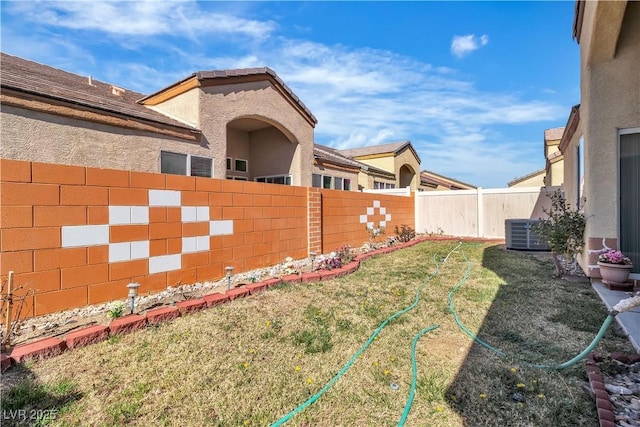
<point>76,235</point>
<point>52,346</point>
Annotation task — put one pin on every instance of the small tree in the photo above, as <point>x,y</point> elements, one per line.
<point>563,230</point>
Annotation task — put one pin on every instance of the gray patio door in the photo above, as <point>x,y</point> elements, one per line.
<point>630,197</point>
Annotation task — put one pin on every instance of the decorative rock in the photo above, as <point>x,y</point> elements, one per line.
<point>86,336</point>
<point>127,324</point>
<point>162,314</point>
<point>41,349</point>
<point>616,389</point>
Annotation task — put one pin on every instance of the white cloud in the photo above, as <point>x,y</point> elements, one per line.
<point>361,97</point>
<point>463,45</point>
<point>139,18</point>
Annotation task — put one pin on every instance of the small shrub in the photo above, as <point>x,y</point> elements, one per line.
<point>405,233</point>
<point>563,229</point>
<point>116,310</point>
<point>336,259</point>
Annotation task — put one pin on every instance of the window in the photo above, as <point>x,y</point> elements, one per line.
<point>387,185</point>
<point>228,163</point>
<point>347,184</point>
<point>275,179</point>
<point>337,183</point>
<point>316,180</point>
<point>185,164</point>
<point>237,178</point>
<point>326,181</point>
<point>241,165</point>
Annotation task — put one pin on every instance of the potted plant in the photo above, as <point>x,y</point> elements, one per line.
<point>614,269</point>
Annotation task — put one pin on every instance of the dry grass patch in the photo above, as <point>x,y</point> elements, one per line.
<point>251,361</point>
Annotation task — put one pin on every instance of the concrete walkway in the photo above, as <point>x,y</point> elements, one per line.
<point>630,320</point>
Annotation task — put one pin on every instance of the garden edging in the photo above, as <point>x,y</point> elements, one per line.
<point>51,346</point>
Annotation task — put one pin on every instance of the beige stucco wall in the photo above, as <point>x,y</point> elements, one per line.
<point>534,181</point>
<point>610,94</point>
<point>271,153</point>
<point>220,105</point>
<point>384,162</point>
<point>406,157</point>
<point>183,108</point>
<point>556,173</point>
<point>610,90</point>
<point>366,180</point>
<point>49,138</point>
<point>239,147</point>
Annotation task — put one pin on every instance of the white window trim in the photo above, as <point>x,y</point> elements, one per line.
<point>188,162</point>
<point>246,164</point>
<point>230,160</point>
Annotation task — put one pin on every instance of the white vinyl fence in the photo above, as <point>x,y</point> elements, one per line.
<point>478,213</point>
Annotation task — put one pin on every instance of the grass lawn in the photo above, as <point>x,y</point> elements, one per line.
<point>251,361</point>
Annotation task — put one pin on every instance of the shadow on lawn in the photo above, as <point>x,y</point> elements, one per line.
<point>27,402</point>
<point>538,318</point>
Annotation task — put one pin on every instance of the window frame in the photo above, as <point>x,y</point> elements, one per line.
<point>286,177</point>
<point>188,163</point>
<point>246,165</point>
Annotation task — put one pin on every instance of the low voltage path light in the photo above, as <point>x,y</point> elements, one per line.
<point>313,259</point>
<point>133,293</point>
<point>229,272</point>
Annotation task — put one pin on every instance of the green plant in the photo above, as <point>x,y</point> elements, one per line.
<point>116,310</point>
<point>405,233</point>
<point>563,229</point>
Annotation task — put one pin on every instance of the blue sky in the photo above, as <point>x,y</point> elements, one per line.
<point>472,85</point>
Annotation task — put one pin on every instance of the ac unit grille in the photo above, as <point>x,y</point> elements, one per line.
<point>520,236</point>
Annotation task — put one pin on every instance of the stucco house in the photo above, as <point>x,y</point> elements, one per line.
<point>601,142</point>
<point>554,162</point>
<point>432,181</point>
<point>533,179</point>
<point>397,158</point>
<point>240,124</point>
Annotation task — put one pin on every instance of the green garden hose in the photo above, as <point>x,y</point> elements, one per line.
<point>582,355</point>
<point>373,336</point>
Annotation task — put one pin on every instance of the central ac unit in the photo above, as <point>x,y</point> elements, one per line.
<point>519,235</point>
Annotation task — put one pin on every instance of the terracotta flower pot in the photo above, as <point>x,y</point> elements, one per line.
<point>615,275</point>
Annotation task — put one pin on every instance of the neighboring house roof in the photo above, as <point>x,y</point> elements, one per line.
<point>553,134</point>
<point>30,77</point>
<point>572,126</point>
<point>220,77</point>
<point>433,179</point>
<point>331,155</point>
<point>390,148</point>
<point>526,177</point>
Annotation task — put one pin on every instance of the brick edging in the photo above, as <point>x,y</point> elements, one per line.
<point>48,347</point>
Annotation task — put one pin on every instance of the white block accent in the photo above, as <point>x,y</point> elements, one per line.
<point>164,198</point>
<point>387,217</point>
<point>189,244</point>
<point>158,264</point>
<point>376,203</point>
<point>369,211</point>
<point>202,213</point>
<point>370,225</point>
<point>139,214</point>
<point>383,211</point>
<point>140,249</point>
<point>84,235</point>
<point>189,214</point>
<point>119,252</point>
<point>203,243</point>
<point>119,215</point>
<point>220,228</point>
<point>383,223</point>
<point>363,219</point>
